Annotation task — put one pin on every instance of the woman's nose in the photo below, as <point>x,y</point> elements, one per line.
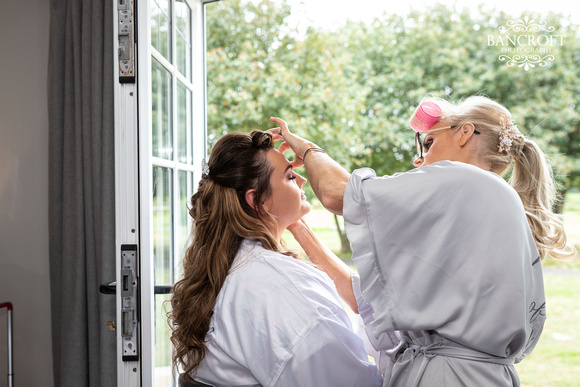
<point>300,181</point>
<point>418,161</point>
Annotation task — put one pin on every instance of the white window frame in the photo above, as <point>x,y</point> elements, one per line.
<point>133,165</point>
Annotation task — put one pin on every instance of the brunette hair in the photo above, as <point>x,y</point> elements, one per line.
<point>221,220</point>
<point>531,177</point>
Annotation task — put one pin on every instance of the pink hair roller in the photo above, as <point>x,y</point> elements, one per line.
<point>426,115</point>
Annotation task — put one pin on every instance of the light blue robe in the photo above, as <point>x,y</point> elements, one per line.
<point>450,272</point>
<point>279,322</point>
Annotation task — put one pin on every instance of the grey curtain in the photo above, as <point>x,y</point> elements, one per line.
<point>81,191</point>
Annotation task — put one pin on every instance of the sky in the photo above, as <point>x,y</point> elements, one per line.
<point>328,13</point>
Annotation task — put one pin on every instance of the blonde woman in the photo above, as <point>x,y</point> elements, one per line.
<point>247,312</point>
<point>449,254</point>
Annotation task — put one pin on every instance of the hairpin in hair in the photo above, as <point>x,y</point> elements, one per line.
<point>507,134</point>
<point>204,167</point>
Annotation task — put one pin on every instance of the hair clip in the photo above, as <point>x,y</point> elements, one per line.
<point>507,135</point>
<point>204,167</point>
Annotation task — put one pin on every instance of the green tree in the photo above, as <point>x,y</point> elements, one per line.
<point>257,68</point>
<point>245,76</point>
<point>445,52</point>
<point>353,90</point>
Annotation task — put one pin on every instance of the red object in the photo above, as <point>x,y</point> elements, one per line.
<point>8,305</point>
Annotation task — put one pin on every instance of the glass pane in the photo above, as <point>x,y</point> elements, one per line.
<point>183,219</point>
<point>163,376</point>
<point>162,225</point>
<point>183,41</point>
<point>163,258</point>
<point>184,145</point>
<point>160,27</point>
<point>162,140</point>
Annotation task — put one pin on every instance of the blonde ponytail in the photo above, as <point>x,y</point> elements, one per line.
<point>533,180</point>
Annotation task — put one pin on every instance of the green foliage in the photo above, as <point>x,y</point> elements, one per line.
<point>352,91</point>
<point>247,82</point>
<point>258,68</point>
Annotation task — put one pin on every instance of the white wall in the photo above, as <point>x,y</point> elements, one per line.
<point>24,267</point>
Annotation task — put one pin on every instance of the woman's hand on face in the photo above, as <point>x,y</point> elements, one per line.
<point>291,141</point>
<point>298,226</point>
<point>298,161</point>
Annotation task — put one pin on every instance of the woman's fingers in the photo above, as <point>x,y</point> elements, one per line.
<point>291,141</point>
<point>284,147</point>
<point>299,224</point>
<point>276,134</point>
<point>297,162</point>
<point>279,132</point>
<point>283,127</point>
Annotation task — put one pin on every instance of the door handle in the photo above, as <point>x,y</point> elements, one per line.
<point>111,288</point>
<point>108,288</point>
<point>162,289</point>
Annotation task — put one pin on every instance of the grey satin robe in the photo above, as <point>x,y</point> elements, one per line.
<point>450,272</point>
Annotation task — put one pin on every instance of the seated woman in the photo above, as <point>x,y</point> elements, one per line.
<point>246,312</point>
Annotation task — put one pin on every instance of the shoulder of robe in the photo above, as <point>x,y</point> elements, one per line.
<point>467,176</point>
<point>261,273</point>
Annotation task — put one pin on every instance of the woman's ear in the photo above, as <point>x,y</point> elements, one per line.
<point>250,197</point>
<point>466,131</point>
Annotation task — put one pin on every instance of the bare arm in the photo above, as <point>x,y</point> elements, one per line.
<point>327,178</point>
<point>326,260</point>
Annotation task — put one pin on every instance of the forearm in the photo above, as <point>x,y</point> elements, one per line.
<point>327,179</point>
<point>328,262</point>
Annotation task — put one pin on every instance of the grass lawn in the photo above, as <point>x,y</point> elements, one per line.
<point>555,361</point>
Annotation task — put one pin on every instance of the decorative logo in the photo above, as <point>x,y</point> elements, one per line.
<point>526,25</point>
<point>526,43</point>
<point>526,61</point>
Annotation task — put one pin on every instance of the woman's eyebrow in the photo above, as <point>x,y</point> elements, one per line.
<point>289,166</point>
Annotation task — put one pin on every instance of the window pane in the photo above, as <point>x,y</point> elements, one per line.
<point>183,41</point>
<point>160,27</point>
<point>162,140</point>
<point>183,219</point>
<point>163,371</point>
<point>184,145</point>
<point>162,221</point>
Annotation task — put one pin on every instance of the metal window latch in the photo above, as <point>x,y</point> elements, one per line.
<point>126,36</point>
<point>129,298</point>
<point>129,289</point>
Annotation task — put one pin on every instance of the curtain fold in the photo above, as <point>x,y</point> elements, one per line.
<point>81,191</point>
